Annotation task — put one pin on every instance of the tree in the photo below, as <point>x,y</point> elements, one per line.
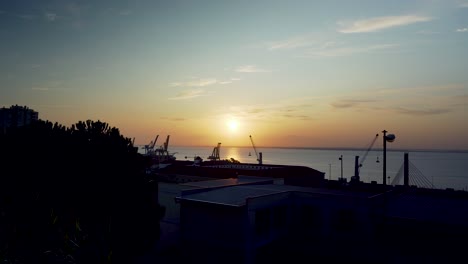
<point>77,194</point>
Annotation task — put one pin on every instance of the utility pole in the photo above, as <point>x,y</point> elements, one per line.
<point>384,158</point>
<point>389,138</point>
<point>356,168</point>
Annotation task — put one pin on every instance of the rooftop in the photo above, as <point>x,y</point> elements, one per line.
<point>237,195</point>
<point>240,180</point>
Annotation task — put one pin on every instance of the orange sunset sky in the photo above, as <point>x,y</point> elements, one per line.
<point>289,73</point>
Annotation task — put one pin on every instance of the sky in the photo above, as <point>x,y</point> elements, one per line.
<point>289,73</point>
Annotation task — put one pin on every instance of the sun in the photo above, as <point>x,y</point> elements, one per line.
<point>232,125</point>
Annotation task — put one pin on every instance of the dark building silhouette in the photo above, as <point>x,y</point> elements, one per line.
<point>292,175</point>
<point>258,219</point>
<point>16,116</point>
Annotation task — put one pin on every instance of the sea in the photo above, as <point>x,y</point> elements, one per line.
<point>442,169</point>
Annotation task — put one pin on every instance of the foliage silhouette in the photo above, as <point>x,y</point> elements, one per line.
<point>74,195</point>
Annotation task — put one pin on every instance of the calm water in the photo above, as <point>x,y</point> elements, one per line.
<point>443,169</point>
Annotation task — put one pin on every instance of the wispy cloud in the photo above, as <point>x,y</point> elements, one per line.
<point>432,90</point>
<point>291,43</point>
<point>250,69</point>
<point>53,106</point>
<point>463,5</point>
<point>427,32</point>
<point>40,88</point>
<point>75,13</point>
<point>422,112</point>
<point>50,86</point>
<point>50,16</point>
<point>368,105</point>
<point>74,9</point>
<point>125,12</point>
<point>380,23</point>
<point>26,17</point>
<point>117,12</point>
<point>203,82</point>
<point>461,101</point>
<point>462,30</point>
<point>178,119</point>
<point>195,83</point>
<point>229,81</point>
<point>411,101</point>
<point>346,51</point>
<point>189,94</point>
<point>299,109</point>
<point>350,103</point>
<point>299,117</point>
<point>267,112</point>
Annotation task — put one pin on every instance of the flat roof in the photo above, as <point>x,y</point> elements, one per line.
<point>240,180</point>
<point>231,196</point>
<point>237,195</point>
<point>317,190</point>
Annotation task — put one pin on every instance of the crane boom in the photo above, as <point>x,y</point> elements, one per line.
<point>150,147</point>
<point>367,151</point>
<point>166,144</point>
<point>253,145</point>
<point>154,142</point>
<point>259,158</point>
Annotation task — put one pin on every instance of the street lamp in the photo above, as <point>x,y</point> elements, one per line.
<point>341,159</point>
<point>389,138</point>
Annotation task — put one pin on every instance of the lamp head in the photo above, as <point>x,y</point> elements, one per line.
<point>390,137</point>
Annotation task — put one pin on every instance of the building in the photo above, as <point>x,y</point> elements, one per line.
<point>248,222</point>
<point>265,223</point>
<point>292,175</point>
<point>16,116</point>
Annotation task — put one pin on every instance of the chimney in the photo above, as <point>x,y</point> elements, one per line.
<point>356,168</point>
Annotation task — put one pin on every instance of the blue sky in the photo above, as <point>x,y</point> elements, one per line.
<point>292,73</point>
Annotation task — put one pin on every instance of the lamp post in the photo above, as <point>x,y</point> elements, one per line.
<point>329,175</point>
<point>341,159</point>
<point>389,138</point>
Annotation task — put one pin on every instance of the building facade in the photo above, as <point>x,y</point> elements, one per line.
<point>262,223</point>
<point>17,116</point>
<point>278,223</point>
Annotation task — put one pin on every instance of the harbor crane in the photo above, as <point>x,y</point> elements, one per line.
<point>215,154</point>
<point>150,147</point>
<point>259,155</point>
<point>162,150</point>
<point>358,164</point>
<point>166,144</point>
<point>367,151</point>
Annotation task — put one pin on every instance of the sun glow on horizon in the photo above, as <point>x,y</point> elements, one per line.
<point>233,125</point>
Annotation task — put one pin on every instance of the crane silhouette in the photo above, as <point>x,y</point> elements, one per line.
<point>259,155</point>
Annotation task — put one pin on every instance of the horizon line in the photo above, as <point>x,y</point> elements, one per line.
<point>343,148</point>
